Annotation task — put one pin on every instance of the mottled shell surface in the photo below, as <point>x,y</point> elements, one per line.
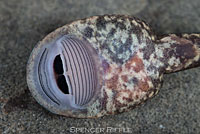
<point>128,66</point>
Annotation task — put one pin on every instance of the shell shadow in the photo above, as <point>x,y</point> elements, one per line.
<point>23,101</point>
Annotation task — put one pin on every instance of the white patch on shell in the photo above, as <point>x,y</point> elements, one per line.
<point>173,61</point>
<point>110,106</point>
<point>145,33</point>
<point>159,52</point>
<point>145,26</point>
<point>167,39</point>
<point>134,22</point>
<point>127,24</point>
<point>124,37</point>
<point>134,40</point>
<point>92,109</point>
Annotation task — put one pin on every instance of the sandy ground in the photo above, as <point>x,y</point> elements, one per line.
<point>176,109</point>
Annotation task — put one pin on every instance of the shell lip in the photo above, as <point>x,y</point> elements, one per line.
<point>33,87</point>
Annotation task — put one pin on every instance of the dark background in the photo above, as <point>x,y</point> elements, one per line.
<point>176,109</point>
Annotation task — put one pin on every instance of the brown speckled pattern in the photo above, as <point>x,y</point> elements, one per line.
<point>132,60</point>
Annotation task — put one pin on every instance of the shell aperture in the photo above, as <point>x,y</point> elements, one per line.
<point>66,73</point>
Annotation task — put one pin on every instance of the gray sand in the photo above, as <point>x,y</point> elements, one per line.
<point>176,109</point>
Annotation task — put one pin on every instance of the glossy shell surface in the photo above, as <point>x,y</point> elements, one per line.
<point>128,64</point>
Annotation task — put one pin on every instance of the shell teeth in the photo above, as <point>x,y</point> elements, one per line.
<point>67,74</point>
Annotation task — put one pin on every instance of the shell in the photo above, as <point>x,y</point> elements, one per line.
<point>105,65</point>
